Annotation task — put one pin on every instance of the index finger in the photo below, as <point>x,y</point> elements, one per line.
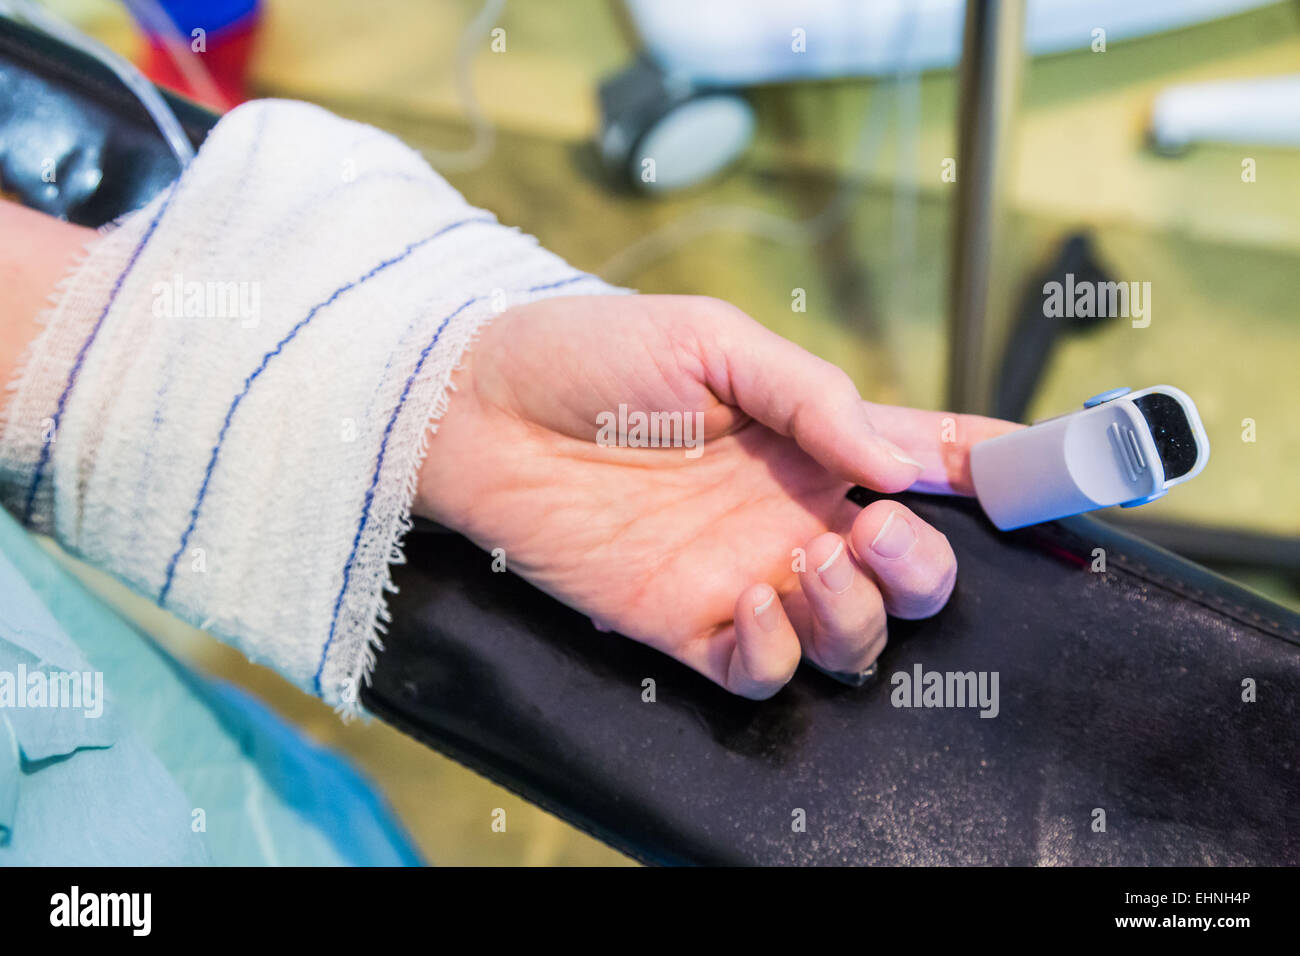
<point>940,441</point>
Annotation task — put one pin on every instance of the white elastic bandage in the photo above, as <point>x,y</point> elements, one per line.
<point>231,399</point>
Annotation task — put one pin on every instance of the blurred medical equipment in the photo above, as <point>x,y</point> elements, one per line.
<point>681,104</point>
<point>1263,112</point>
<point>200,48</point>
<point>32,13</point>
<point>474,155</point>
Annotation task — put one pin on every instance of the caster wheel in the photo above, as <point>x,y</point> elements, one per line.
<point>658,136</point>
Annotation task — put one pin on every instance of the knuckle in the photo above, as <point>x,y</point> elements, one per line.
<point>715,310</point>
<point>934,586</point>
<point>840,383</point>
<point>845,640</point>
<point>769,679</point>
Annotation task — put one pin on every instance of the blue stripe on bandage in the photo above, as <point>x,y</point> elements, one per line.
<point>266,360</point>
<point>44,459</point>
<point>315,201</point>
<point>383,451</point>
<point>140,499</point>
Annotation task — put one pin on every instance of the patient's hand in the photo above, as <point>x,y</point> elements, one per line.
<point>679,549</point>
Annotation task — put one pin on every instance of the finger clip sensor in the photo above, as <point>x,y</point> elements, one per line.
<point>1123,448</point>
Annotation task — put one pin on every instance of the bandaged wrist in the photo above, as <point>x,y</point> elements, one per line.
<point>234,389</point>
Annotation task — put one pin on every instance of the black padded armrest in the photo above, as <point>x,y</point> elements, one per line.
<point>61,106</point>
<point>1119,690</point>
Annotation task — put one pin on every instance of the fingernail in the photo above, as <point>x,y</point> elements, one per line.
<point>898,453</point>
<point>895,537</point>
<point>765,612</point>
<point>836,571</point>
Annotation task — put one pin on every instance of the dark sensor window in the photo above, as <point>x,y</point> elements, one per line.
<point>1172,432</point>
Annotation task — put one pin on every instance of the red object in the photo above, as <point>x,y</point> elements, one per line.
<point>225,59</point>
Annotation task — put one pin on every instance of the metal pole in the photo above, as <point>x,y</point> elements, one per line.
<point>988,80</point>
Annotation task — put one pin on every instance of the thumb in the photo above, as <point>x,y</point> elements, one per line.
<point>797,394</point>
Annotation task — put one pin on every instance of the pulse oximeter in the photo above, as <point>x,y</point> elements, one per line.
<point>1124,448</point>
